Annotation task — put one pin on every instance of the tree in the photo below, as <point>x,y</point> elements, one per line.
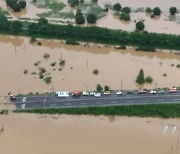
<point>126,10</point>
<point>140,78</point>
<point>149,79</point>
<point>156,11</point>
<point>22,4</point>
<point>148,10</point>
<point>91,18</point>
<point>106,88</point>
<point>16,7</point>
<point>117,7</point>
<point>15,26</point>
<point>95,1</point>
<point>80,19</point>
<point>140,26</point>
<point>78,12</point>
<point>3,21</point>
<point>73,3</point>
<point>42,21</point>
<point>99,88</point>
<point>125,16</point>
<point>173,10</point>
<point>81,1</point>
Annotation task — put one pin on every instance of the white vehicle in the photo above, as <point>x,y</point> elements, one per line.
<point>22,106</point>
<point>24,99</point>
<point>153,92</point>
<point>84,93</point>
<point>107,93</point>
<point>97,94</point>
<point>118,92</point>
<point>92,93</point>
<point>62,94</point>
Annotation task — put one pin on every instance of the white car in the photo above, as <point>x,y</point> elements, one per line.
<point>118,92</point>
<point>24,99</point>
<point>97,94</point>
<point>107,93</point>
<point>92,93</point>
<point>153,92</point>
<point>23,106</point>
<point>84,93</point>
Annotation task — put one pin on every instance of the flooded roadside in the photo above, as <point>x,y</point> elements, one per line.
<point>117,68</point>
<point>87,134</point>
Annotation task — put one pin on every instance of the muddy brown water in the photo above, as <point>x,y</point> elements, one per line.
<point>162,25</point>
<point>44,134</point>
<point>117,68</point>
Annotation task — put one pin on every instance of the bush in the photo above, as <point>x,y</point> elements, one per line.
<point>25,71</point>
<point>62,62</point>
<point>99,88</point>
<point>146,48</point>
<point>91,18</point>
<point>46,55</point>
<point>33,39</point>
<point>80,19</point>
<point>126,10</point>
<point>149,79</point>
<point>140,78</point>
<point>95,72</point>
<point>148,10</point>
<point>106,88</point>
<point>72,42</point>
<point>157,11</point>
<point>48,79</point>
<point>42,21</point>
<point>95,1</point>
<point>140,26</point>
<point>22,4</point>
<point>178,65</point>
<point>73,3</point>
<point>117,7</point>
<point>53,64</point>
<point>39,43</point>
<point>125,16</point>
<point>164,74</point>
<point>173,10</point>
<point>37,63</point>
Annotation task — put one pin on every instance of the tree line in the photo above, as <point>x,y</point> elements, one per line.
<point>90,34</point>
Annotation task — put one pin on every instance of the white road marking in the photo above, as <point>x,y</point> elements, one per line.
<point>176,99</point>
<point>67,103</point>
<point>160,100</point>
<point>114,101</point>
<point>98,102</point>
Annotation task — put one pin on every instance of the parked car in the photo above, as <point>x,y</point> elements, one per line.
<point>118,92</point>
<point>84,93</point>
<point>76,93</point>
<point>142,91</point>
<point>97,94</point>
<point>107,93</point>
<point>172,90</point>
<point>23,99</point>
<point>92,93</point>
<point>160,91</point>
<point>153,92</point>
<point>130,92</point>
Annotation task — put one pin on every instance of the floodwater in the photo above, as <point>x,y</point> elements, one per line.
<point>165,24</point>
<point>44,134</point>
<point>117,68</point>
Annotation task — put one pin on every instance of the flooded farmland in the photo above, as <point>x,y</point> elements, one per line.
<point>117,68</point>
<point>44,134</point>
<point>163,24</point>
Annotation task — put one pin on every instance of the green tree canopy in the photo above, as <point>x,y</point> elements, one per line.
<point>99,88</point>
<point>106,88</point>
<point>140,78</point>
<point>125,16</point>
<point>22,4</point>
<point>173,10</point>
<point>3,21</point>
<point>117,7</point>
<point>156,11</point>
<point>91,18</point>
<point>42,21</point>
<point>80,19</point>
<point>15,26</point>
<point>140,26</point>
<point>126,10</point>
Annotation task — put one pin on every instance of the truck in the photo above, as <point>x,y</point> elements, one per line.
<point>62,94</point>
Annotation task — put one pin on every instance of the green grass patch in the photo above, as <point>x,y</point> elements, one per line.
<point>159,110</point>
<point>92,8</point>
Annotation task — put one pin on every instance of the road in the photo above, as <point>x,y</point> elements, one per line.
<point>52,101</point>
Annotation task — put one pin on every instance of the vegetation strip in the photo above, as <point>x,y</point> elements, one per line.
<point>144,40</point>
<point>159,110</point>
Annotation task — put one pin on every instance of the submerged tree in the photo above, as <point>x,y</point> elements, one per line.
<point>140,78</point>
<point>173,10</point>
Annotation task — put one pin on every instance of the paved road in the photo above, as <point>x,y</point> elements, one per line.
<point>52,101</point>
